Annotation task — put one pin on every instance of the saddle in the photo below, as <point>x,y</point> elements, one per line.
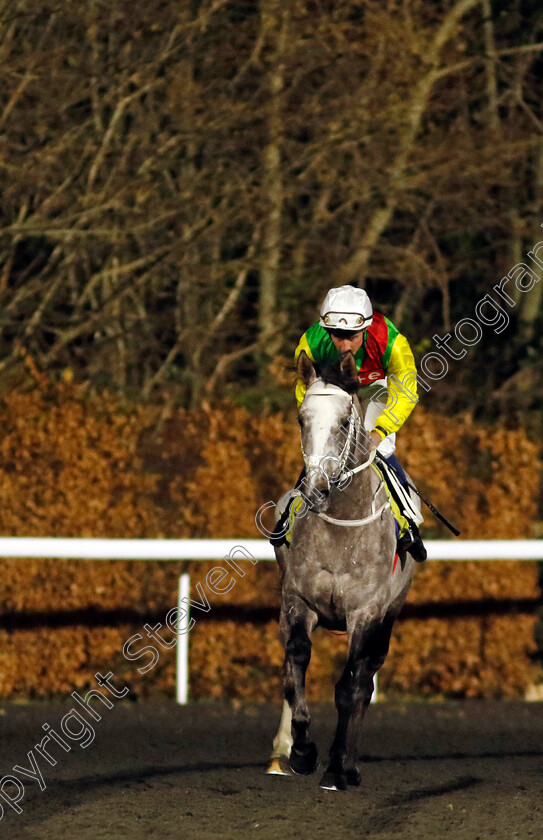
<point>404,506</point>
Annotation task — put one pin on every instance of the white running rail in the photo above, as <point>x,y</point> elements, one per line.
<point>75,548</point>
<point>149,549</point>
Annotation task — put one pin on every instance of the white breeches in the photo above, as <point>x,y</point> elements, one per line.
<point>388,444</point>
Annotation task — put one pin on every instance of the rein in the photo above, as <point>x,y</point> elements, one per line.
<point>354,417</point>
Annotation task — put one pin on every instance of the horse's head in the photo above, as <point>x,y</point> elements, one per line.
<point>329,420</point>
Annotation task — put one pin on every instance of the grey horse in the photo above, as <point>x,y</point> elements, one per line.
<point>340,572</point>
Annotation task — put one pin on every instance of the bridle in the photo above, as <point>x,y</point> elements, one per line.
<point>315,461</point>
<point>345,473</point>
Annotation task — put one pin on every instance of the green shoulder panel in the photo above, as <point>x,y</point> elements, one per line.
<point>321,345</point>
<point>393,332</point>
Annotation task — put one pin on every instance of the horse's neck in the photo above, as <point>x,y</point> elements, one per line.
<point>358,495</point>
<point>361,447</point>
<point>354,501</point>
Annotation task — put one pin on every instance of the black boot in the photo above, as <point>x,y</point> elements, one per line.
<point>278,537</point>
<point>412,542</point>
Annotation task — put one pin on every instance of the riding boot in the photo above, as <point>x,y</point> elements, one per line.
<point>411,540</point>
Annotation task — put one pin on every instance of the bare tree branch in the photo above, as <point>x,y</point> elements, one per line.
<point>117,114</point>
<point>356,267</point>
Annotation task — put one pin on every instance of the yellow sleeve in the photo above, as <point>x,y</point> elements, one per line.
<point>401,385</point>
<point>300,387</point>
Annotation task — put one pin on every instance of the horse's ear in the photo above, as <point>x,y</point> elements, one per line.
<point>348,370</point>
<point>305,369</point>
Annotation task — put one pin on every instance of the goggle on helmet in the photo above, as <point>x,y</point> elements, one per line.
<point>346,308</point>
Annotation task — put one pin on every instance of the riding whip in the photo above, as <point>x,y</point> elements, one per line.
<point>435,511</point>
<point>429,505</point>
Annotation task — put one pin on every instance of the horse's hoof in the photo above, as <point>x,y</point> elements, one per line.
<point>304,761</point>
<point>334,781</point>
<point>279,766</point>
<point>353,776</point>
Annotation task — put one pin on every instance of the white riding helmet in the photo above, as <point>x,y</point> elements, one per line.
<point>346,308</point>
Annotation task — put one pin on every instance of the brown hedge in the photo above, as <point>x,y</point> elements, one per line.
<point>77,463</point>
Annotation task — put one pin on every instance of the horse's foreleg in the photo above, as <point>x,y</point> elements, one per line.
<point>282,744</point>
<point>347,696</point>
<point>303,755</point>
<point>378,646</point>
<point>353,694</point>
<point>351,772</point>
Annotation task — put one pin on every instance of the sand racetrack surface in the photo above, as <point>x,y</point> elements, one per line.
<point>455,770</point>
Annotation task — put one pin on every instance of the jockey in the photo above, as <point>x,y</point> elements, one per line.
<point>386,370</point>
